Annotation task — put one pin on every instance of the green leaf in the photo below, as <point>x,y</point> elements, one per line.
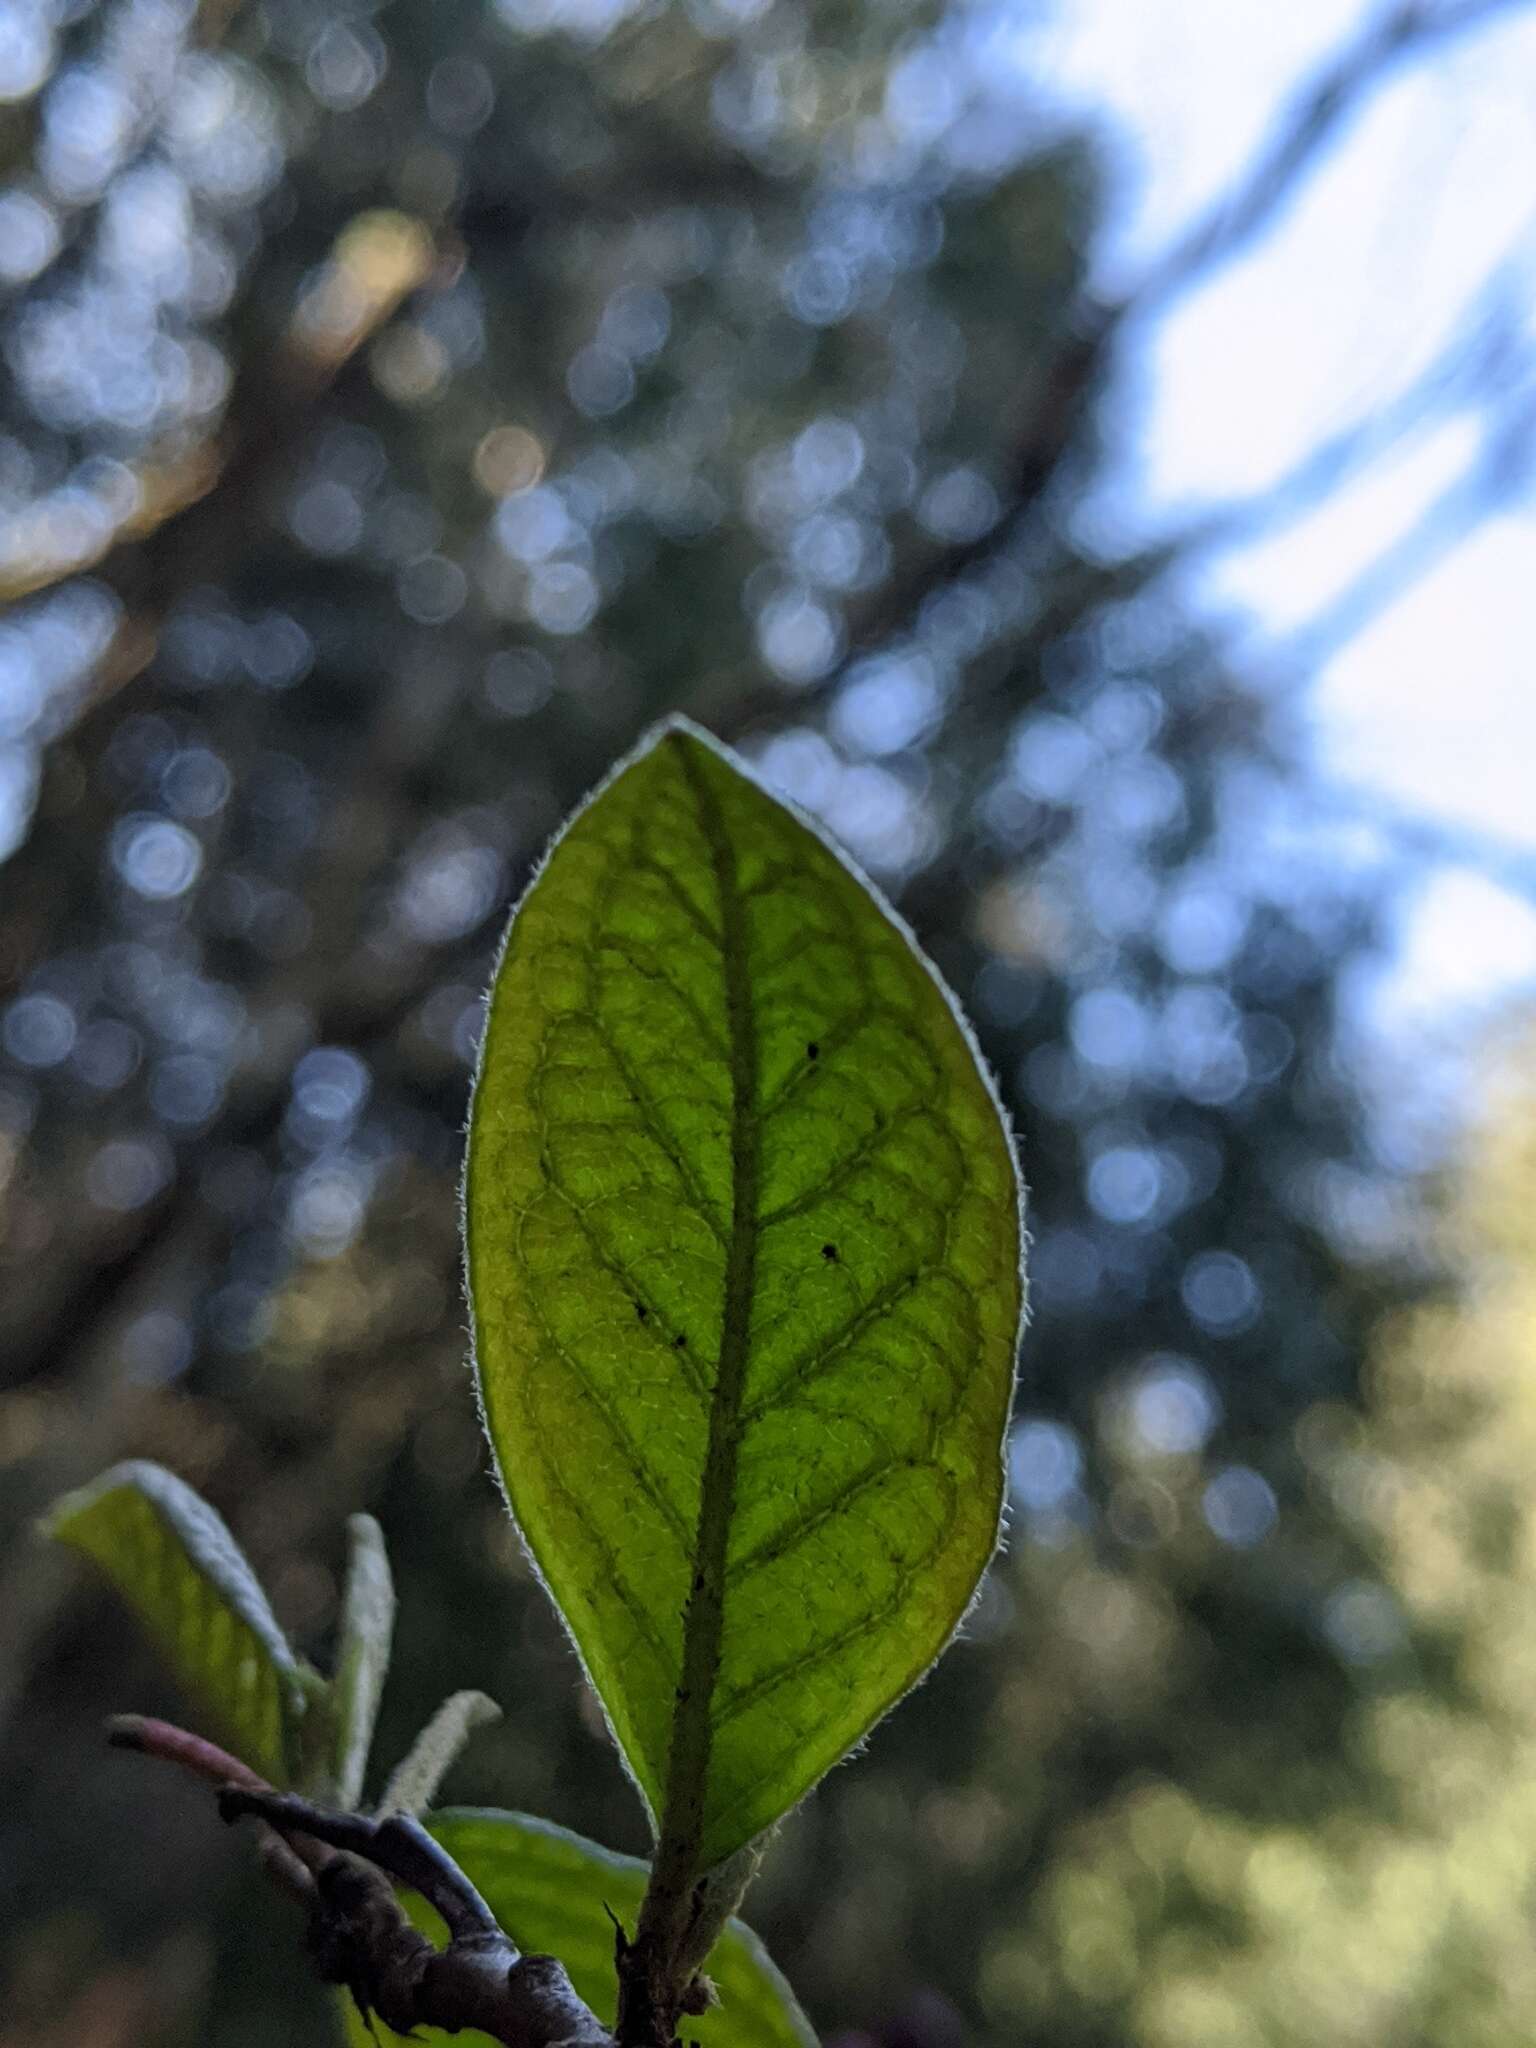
<point>743,1247</point>
<point>550,1890</point>
<point>362,1655</point>
<point>184,1576</point>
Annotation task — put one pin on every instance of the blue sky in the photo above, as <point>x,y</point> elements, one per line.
<point>1427,716</point>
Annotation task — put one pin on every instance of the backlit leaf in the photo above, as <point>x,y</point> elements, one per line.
<point>549,1889</point>
<point>743,1242</point>
<point>176,1564</point>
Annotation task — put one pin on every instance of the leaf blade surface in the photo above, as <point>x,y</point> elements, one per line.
<point>173,1560</point>
<point>743,1246</point>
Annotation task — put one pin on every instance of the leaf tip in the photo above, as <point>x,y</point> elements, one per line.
<point>54,1523</point>
<point>678,730</point>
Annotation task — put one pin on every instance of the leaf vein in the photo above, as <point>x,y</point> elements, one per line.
<point>737,1701</point>
<point>645,1476</point>
<point>818,1355</point>
<point>649,972</point>
<point>580,1508</point>
<point>850,1167</point>
<point>646,863</point>
<point>632,1293</point>
<point>792,1533</point>
<point>665,1143</point>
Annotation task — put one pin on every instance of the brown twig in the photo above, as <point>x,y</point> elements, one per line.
<point>345,1867</point>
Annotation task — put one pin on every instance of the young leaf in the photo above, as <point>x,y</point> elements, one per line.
<point>362,1655</point>
<point>180,1570</point>
<point>743,1250</point>
<point>414,1781</point>
<point>551,1890</point>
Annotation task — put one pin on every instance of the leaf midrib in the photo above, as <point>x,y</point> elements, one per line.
<point>681,1828</point>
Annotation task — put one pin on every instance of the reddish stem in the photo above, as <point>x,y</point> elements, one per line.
<point>175,1745</point>
<point>291,1860</point>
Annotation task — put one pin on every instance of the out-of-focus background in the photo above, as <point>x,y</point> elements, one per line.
<point>1083,451</point>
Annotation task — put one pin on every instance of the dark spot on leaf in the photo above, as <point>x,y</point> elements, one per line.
<point>829,1253</point>
<point>813,1051</point>
<point>679,1342</point>
<point>642,1312</point>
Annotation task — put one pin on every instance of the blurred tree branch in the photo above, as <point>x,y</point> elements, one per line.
<point>1500,470</point>
<point>1400,34</point>
<point>277,398</point>
<point>1066,388</point>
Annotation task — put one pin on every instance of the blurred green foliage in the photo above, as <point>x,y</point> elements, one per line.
<point>400,409</point>
<point>1367,1875</point>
